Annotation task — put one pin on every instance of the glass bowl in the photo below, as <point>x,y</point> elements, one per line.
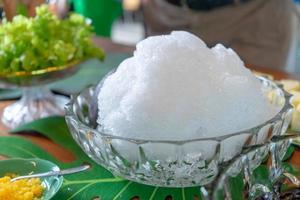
<point>37,100</point>
<point>181,163</point>
<point>21,166</point>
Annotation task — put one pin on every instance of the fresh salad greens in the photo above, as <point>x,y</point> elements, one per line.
<point>28,44</point>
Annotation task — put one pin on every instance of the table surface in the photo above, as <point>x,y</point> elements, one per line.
<point>63,155</point>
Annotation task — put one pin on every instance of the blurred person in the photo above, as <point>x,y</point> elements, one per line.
<point>24,7</point>
<point>258,30</point>
<point>1,10</point>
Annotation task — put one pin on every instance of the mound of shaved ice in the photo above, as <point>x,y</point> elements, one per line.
<point>176,88</point>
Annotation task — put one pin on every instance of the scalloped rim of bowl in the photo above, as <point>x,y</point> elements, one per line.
<point>287,105</point>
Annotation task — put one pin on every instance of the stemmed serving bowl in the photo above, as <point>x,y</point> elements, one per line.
<point>37,100</point>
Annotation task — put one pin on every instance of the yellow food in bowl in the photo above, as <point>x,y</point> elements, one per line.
<point>24,189</point>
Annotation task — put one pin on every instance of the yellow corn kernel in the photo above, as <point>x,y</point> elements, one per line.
<point>24,189</point>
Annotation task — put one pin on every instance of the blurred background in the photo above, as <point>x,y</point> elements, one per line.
<point>265,33</point>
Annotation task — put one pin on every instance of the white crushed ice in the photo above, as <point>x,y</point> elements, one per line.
<point>176,88</point>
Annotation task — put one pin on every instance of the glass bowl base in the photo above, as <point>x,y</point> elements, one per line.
<point>36,103</point>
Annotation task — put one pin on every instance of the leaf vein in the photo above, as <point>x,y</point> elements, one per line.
<point>182,192</point>
<point>107,180</point>
<point>153,193</point>
<point>83,188</point>
<point>25,151</point>
<point>122,190</point>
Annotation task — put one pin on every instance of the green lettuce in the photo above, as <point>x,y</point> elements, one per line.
<point>28,44</point>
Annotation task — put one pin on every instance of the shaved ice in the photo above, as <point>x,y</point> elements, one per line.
<point>174,87</point>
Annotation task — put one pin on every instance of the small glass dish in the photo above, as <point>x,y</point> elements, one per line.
<point>28,166</point>
<point>37,100</point>
<point>181,163</point>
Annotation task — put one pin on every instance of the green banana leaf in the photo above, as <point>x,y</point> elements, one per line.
<point>98,182</point>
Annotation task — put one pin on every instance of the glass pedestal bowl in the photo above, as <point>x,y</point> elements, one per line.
<point>185,163</point>
<point>37,100</point>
